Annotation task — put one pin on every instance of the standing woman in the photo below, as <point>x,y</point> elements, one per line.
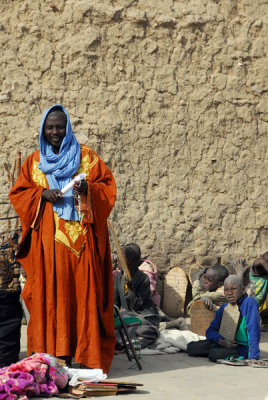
<point>65,247</point>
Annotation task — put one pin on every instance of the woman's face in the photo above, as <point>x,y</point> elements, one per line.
<point>55,130</point>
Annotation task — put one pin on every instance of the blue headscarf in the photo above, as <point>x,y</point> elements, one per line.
<point>59,168</point>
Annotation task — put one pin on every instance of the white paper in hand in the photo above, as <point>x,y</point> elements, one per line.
<point>70,185</point>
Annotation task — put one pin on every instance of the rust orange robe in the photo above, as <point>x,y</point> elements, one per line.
<point>69,286</point>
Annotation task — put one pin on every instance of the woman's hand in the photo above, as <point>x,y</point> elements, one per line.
<point>53,196</point>
<point>80,187</point>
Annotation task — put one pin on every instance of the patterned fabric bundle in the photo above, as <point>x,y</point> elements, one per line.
<point>32,376</point>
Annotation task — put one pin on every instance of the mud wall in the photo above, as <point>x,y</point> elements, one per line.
<point>171,94</point>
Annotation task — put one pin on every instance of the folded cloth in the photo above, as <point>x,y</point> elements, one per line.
<point>171,341</point>
<point>180,339</point>
<point>89,375</point>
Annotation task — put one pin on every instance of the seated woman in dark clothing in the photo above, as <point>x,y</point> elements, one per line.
<point>134,297</point>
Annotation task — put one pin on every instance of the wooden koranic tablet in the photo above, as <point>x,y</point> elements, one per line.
<point>201,317</point>
<point>175,286</point>
<point>229,322</point>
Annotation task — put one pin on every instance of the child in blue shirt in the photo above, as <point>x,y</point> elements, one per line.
<point>246,342</point>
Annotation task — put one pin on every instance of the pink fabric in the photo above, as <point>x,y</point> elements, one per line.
<point>151,271</point>
<point>39,373</point>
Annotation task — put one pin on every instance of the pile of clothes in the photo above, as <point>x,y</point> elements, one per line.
<point>35,375</point>
<point>45,375</point>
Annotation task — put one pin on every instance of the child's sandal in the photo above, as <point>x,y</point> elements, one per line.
<point>234,360</point>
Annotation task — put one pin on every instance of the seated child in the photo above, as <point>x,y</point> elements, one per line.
<point>258,277</point>
<point>150,269</point>
<point>246,342</point>
<point>209,287</point>
<point>134,296</point>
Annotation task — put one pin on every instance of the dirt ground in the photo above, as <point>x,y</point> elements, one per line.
<point>177,377</point>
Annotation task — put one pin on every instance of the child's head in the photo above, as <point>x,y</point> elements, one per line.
<point>233,288</point>
<point>132,254</point>
<point>214,277</point>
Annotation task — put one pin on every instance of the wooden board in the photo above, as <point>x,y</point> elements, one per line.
<point>175,286</point>
<point>102,388</point>
<point>229,322</point>
<point>201,317</point>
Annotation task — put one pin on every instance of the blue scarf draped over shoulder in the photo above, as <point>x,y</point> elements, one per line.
<point>60,168</point>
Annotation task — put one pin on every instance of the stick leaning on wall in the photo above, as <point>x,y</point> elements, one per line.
<point>119,251</point>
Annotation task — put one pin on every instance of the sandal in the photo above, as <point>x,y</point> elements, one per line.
<point>234,360</point>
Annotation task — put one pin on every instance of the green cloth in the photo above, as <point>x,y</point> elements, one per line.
<point>261,289</point>
<point>241,336</point>
<point>127,321</point>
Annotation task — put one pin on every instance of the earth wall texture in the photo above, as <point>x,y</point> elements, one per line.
<point>172,95</point>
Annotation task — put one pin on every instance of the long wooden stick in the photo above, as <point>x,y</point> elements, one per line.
<point>13,173</point>
<point>119,251</point>
<point>18,163</point>
<point>9,175</point>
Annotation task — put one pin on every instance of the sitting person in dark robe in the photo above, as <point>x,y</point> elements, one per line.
<point>133,296</point>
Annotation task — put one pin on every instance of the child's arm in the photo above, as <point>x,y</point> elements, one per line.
<point>242,270</point>
<point>253,327</point>
<point>259,267</point>
<point>212,332</point>
<point>213,300</point>
<point>197,290</point>
<point>207,302</point>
